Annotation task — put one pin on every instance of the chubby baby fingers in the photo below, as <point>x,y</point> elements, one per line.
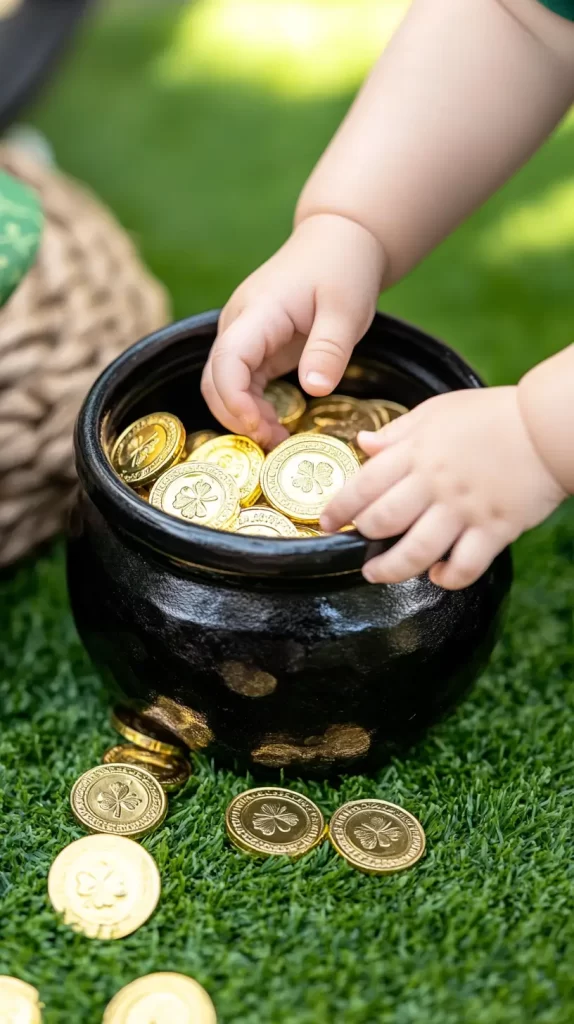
<point>373,480</point>
<point>469,559</point>
<point>425,543</point>
<point>395,511</point>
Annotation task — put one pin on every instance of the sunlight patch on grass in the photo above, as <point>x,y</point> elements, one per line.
<point>545,224</point>
<point>295,47</point>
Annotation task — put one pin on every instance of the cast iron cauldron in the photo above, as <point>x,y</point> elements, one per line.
<point>272,653</point>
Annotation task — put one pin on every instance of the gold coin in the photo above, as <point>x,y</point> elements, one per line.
<point>143,732</point>
<point>307,531</point>
<point>340,416</point>
<point>161,999</point>
<point>105,886</point>
<point>287,401</point>
<point>377,837</point>
<point>198,492</point>
<point>261,521</point>
<point>19,1002</point>
<point>171,772</point>
<point>388,410</point>
<point>194,440</point>
<point>239,456</point>
<point>303,473</point>
<point>147,448</point>
<point>272,820</point>
<point>120,799</point>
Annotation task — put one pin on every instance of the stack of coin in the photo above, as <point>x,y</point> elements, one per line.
<point>226,482</point>
<point>105,885</point>
<point>375,836</point>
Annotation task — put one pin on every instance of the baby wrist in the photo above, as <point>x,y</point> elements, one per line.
<point>546,402</point>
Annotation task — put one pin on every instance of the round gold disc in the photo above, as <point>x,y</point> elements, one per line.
<point>194,440</point>
<point>171,772</point>
<point>388,410</point>
<point>267,821</point>
<point>142,732</point>
<point>119,799</point>
<point>105,886</point>
<point>19,1002</point>
<point>147,448</point>
<point>340,416</point>
<point>161,999</point>
<point>261,521</point>
<point>376,836</point>
<point>287,401</point>
<point>308,531</point>
<point>198,492</point>
<point>303,473</point>
<point>239,456</point>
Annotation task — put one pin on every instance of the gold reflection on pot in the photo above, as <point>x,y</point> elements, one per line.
<point>247,680</point>
<point>339,741</point>
<point>190,726</point>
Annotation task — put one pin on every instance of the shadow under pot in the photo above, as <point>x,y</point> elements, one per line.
<point>266,653</point>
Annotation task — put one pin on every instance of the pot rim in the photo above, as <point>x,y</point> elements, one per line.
<point>200,547</point>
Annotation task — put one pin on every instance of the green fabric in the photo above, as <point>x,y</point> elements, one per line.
<point>563,7</point>
<point>20,232</point>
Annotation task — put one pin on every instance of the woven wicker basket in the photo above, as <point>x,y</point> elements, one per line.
<point>87,297</point>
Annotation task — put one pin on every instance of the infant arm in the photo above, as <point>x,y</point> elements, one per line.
<point>464,93</point>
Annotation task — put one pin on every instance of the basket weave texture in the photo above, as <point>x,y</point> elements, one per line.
<point>87,297</point>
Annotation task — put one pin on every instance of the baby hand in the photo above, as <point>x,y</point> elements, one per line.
<point>308,305</point>
<point>458,472</point>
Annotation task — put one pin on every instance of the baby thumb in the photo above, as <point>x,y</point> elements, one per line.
<point>328,349</point>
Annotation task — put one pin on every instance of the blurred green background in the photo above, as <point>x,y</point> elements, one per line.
<point>198,123</point>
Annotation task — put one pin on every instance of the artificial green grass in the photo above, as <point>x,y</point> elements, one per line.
<point>481,932</point>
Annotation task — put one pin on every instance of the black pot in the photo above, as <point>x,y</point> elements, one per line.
<point>273,653</point>
<point>31,42</point>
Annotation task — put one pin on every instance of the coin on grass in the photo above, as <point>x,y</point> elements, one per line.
<point>141,731</point>
<point>267,821</point>
<point>287,401</point>
<point>105,886</point>
<point>376,836</point>
<point>340,416</point>
<point>198,492</point>
<point>120,799</point>
<point>261,521</point>
<point>303,473</point>
<point>171,772</point>
<point>194,440</point>
<point>19,1002</point>
<point>161,999</point>
<point>239,456</point>
<point>147,448</point>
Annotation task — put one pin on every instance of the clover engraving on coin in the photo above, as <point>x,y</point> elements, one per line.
<point>101,887</point>
<point>192,501</point>
<point>378,831</point>
<point>140,447</point>
<point>118,798</point>
<point>271,820</point>
<point>274,818</point>
<point>310,476</point>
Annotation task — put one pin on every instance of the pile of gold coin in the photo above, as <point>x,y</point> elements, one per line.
<point>227,482</point>
<point>104,885</point>
<point>375,836</point>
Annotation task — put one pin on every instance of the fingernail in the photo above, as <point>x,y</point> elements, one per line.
<point>317,380</point>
